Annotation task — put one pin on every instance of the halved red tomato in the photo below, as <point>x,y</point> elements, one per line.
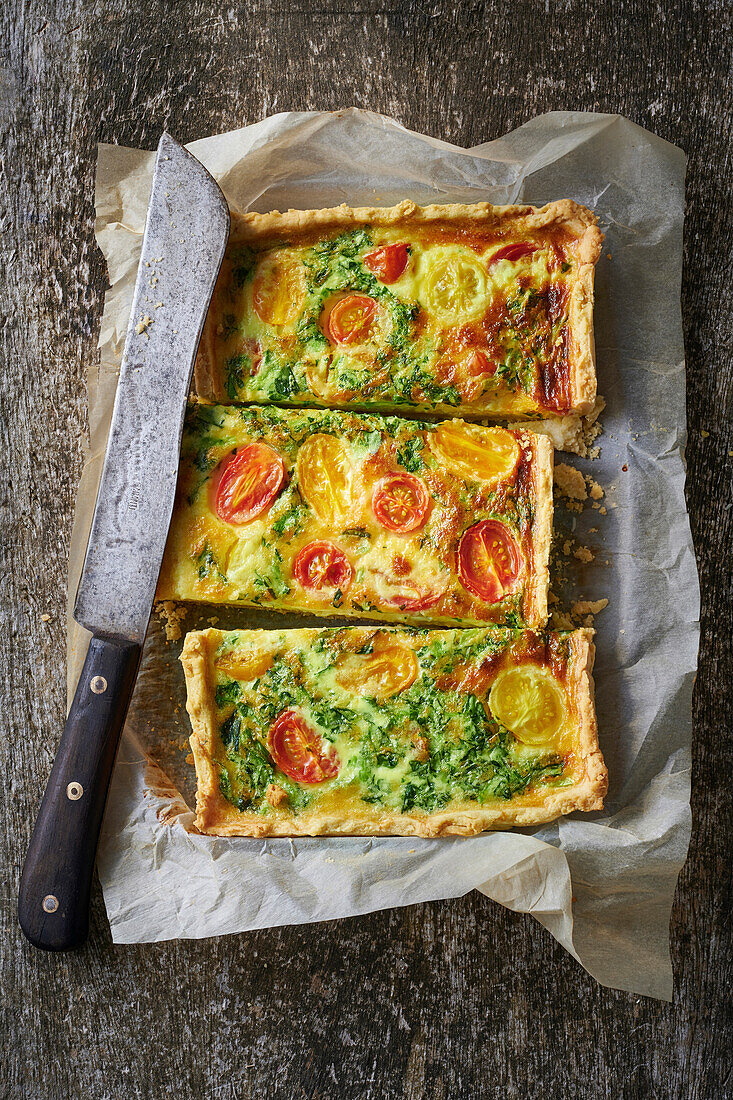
<point>351,318</point>
<point>409,596</point>
<point>477,362</point>
<point>513,252</point>
<point>400,502</point>
<point>247,483</point>
<point>488,560</point>
<point>322,565</point>
<point>387,263</point>
<point>416,602</point>
<point>299,750</point>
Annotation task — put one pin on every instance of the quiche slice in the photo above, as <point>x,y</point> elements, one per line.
<point>361,515</point>
<point>486,309</point>
<point>367,730</point>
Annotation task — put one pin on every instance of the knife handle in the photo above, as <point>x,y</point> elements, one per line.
<point>53,901</point>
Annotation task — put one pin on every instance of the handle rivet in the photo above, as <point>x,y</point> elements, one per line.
<point>74,791</point>
<point>98,684</point>
<point>50,903</point>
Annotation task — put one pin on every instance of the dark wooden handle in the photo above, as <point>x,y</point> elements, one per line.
<point>53,902</point>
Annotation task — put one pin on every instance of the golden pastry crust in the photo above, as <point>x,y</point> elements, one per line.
<point>566,215</point>
<point>218,817</point>
<point>577,219</point>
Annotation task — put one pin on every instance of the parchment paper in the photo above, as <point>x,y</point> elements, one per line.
<point>603,883</point>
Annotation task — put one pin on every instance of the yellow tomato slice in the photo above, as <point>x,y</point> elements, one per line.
<point>241,665</point>
<point>454,287</point>
<point>278,288</point>
<point>530,702</point>
<point>388,669</point>
<point>325,476</point>
<point>317,377</point>
<point>477,454</point>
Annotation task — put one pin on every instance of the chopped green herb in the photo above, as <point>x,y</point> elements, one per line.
<point>236,369</point>
<point>411,455</point>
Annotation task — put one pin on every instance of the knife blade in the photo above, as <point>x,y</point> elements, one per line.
<point>186,232</point>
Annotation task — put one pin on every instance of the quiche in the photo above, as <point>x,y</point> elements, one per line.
<point>375,517</point>
<point>369,730</point>
<point>485,309</point>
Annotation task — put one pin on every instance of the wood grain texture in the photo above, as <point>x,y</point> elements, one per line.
<point>444,1001</point>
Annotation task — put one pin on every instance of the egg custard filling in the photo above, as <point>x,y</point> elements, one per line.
<point>369,730</point>
<point>361,515</point>
<point>483,309</point>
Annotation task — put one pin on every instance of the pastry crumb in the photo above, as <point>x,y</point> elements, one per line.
<point>594,488</point>
<point>189,758</point>
<point>141,328</point>
<point>276,795</point>
<point>588,607</point>
<point>561,621</point>
<point>567,547</point>
<point>583,554</point>
<point>603,512</point>
<point>704,434</point>
<point>213,620</point>
<point>171,615</point>
<point>45,618</point>
<point>570,482</point>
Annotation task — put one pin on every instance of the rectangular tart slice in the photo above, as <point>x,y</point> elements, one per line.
<point>337,513</point>
<point>486,309</point>
<point>367,730</point>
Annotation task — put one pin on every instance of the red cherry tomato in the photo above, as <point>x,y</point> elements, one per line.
<point>512,252</point>
<point>247,483</point>
<point>321,565</point>
<point>299,750</point>
<point>478,363</point>
<point>409,596</point>
<point>400,502</point>
<point>417,602</point>
<point>351,318</point>
<point>387,263</point>
<point>488,560</point>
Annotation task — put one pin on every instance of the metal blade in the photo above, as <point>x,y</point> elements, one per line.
<point>185,236</point>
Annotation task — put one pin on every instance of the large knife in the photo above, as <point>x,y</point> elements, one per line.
<point>185,236</point>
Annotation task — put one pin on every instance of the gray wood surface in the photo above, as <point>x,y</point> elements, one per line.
<point>455,999</point>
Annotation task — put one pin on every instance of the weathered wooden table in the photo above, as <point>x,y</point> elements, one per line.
<point>454,999</point>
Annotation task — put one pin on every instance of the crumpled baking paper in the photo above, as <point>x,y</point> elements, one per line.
<point>601,883</point>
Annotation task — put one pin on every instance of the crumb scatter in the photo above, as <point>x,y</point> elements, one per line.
<point>171,615</point>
